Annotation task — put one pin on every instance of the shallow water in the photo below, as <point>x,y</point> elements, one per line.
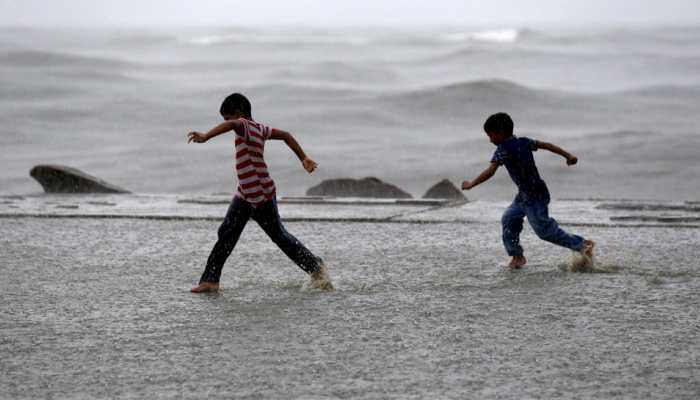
<point>100,308</point>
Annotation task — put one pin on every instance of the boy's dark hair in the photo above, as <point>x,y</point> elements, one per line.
<point>236,102</point>
<point>499,123</point>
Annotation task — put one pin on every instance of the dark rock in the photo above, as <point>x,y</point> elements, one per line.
<point>366,187</point>
<point>444,190</point>
<point>62,179</point>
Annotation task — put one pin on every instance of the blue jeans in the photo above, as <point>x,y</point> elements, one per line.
<point>267,216</point>
<point>544,226</point>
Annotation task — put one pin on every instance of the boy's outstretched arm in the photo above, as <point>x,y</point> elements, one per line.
<point>570,158</point>
<point>483,177</point>
<point>226,126</point>
<point>309,164</point>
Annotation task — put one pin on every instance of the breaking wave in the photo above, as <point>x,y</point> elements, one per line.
<point>276,39</point>
<point>493,36</point>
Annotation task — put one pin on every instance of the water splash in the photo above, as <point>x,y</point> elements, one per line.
<point>581,262</point>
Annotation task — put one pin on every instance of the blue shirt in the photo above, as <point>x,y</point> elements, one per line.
<point>516,154</point>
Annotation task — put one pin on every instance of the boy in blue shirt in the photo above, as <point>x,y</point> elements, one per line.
<point>515,153</point>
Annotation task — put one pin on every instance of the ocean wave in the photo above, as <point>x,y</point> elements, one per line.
<point>356,38</point>
<point>490,88</point>
<point>487,94</point>
<point>141,39</point>
<point>568,112</point>
<point>493,36</point>
<point>336,73</point>
<point>303,90</point>
<point>17,93</point>
<point>36,58</point>
<point>663,91</point>
<point>277,39</point>
<point>486,85</point>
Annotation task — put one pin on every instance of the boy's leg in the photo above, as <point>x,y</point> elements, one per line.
<point>230,230</point>
<point>548,229</point>
<point>512,223</point>
<point>267,216</point>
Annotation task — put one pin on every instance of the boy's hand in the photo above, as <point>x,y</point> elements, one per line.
<point>466,185</point>
<point>571,160</point>
<point>309,165</point>
<point>197,137</point>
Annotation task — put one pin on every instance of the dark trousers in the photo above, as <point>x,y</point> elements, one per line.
<point>267,216</point>
<point>544,226</point>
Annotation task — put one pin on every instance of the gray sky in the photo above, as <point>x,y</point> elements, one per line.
<point>346,12</point>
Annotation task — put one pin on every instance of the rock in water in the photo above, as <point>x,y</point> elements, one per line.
<point>444,190</point>
<point>366,187</point>
<point>63,179</point>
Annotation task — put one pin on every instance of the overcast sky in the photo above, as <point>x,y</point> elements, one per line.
<point>346,12</point>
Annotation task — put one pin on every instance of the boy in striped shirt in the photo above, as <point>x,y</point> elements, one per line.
<point>255,196</point>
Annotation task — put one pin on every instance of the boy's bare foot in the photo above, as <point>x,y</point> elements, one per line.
<point>205,287</point>
<point>321,280</point>
<point>588,246</point>
<point>517,262</point>
<point>582,260</point>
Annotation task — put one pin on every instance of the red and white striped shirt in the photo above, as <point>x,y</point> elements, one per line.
<point>254,182</point>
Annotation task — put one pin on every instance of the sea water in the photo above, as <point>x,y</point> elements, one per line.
<point>404,105</point>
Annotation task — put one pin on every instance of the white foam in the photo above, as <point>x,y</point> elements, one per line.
<point>270,38</point>
<point>495,36</point>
